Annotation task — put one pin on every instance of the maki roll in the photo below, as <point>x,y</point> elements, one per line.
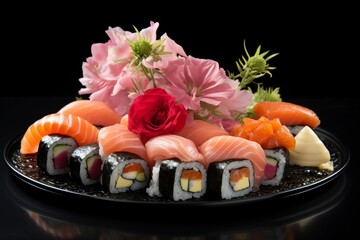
<point>123,171</point>
<point>178,171</point>
<point>85,164</point>
<point>231,178</point>
<point>178,180</point>
<point>54,152</point>
<point>235,166</point>
<point>125,165</point>
<point>275,165</point>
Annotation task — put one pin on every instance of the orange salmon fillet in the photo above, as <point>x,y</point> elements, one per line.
<point>118,138</point>
<point>221,148</point>
<point>288,113</point>
<point>125,120</point>
<point>199,131</point>
<point>66,124</point>
<point>172,146</point>
<point>96,112</point>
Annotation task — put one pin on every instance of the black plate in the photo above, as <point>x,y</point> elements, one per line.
<point>295,181</point>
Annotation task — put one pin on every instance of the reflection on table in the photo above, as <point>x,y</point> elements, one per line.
<point>285,218</point>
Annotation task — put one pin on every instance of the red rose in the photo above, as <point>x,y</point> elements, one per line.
<point>155,113</point>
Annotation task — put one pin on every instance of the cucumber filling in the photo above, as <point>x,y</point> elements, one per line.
<point>61,156</point>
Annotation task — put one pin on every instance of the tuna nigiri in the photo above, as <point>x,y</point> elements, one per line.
<point>221,148</point>
<point>288,113</point>
<point>118,138</point>
<point>66,124</point>
<point>199,131</point>
<point>96,112</point>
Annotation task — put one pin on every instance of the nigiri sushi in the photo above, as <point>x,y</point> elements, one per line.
<point>219,149</point>
<point>199,131</point>
<point>57,123</point>
<point>118,138</point>
<point>171,146</point>
<point>179,172</point>
<point>125,165</point>
<point>96,112</point>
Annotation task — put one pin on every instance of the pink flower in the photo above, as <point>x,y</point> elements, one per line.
<point>193,80</point>
<point>203,87</point>
<point>111,73</point>
<point>100,77</point>
<point>171,49</point>
<point>132,82</point>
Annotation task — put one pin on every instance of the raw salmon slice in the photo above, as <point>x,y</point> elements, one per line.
<point>221,148</point>
<point>57,123</point>
<point>118,138</point>
<point>96,112</point>
<point>269,134</point>
<point>199,131</point>
<point>125,120</point>
<point>171,146</point>
<point>289,113</point>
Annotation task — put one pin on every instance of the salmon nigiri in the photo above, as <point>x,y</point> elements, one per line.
<point>288,113</point>
<point>96,112</point>
<point>199,131</point>
<point>118,138</point>
<point>221,148</point>
<point>269,134</point>
<point>66,124</point>
<point>178,168</point>
<point>172,146</point>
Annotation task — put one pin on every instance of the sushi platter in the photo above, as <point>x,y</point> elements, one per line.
<point>296,179</point>
<point>162,127</point>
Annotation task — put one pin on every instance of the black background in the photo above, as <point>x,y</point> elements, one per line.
<point>45,45</point>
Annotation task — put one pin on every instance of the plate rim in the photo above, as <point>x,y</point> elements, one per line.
<point>10,145</point>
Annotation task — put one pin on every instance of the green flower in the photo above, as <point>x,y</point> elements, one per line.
<point>144,49</point>
<point>253,67</point>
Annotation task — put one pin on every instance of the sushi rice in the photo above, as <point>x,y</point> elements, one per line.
<point>219,178</point>
<point>78,163</point>
<point>113,167</point>
<point>46,155</point>
<point>176,192</point>
<point>281,155</point>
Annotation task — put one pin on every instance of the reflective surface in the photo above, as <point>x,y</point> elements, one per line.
<point>325,213</point>
<point>296,179</point>
<point>58,219</point>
